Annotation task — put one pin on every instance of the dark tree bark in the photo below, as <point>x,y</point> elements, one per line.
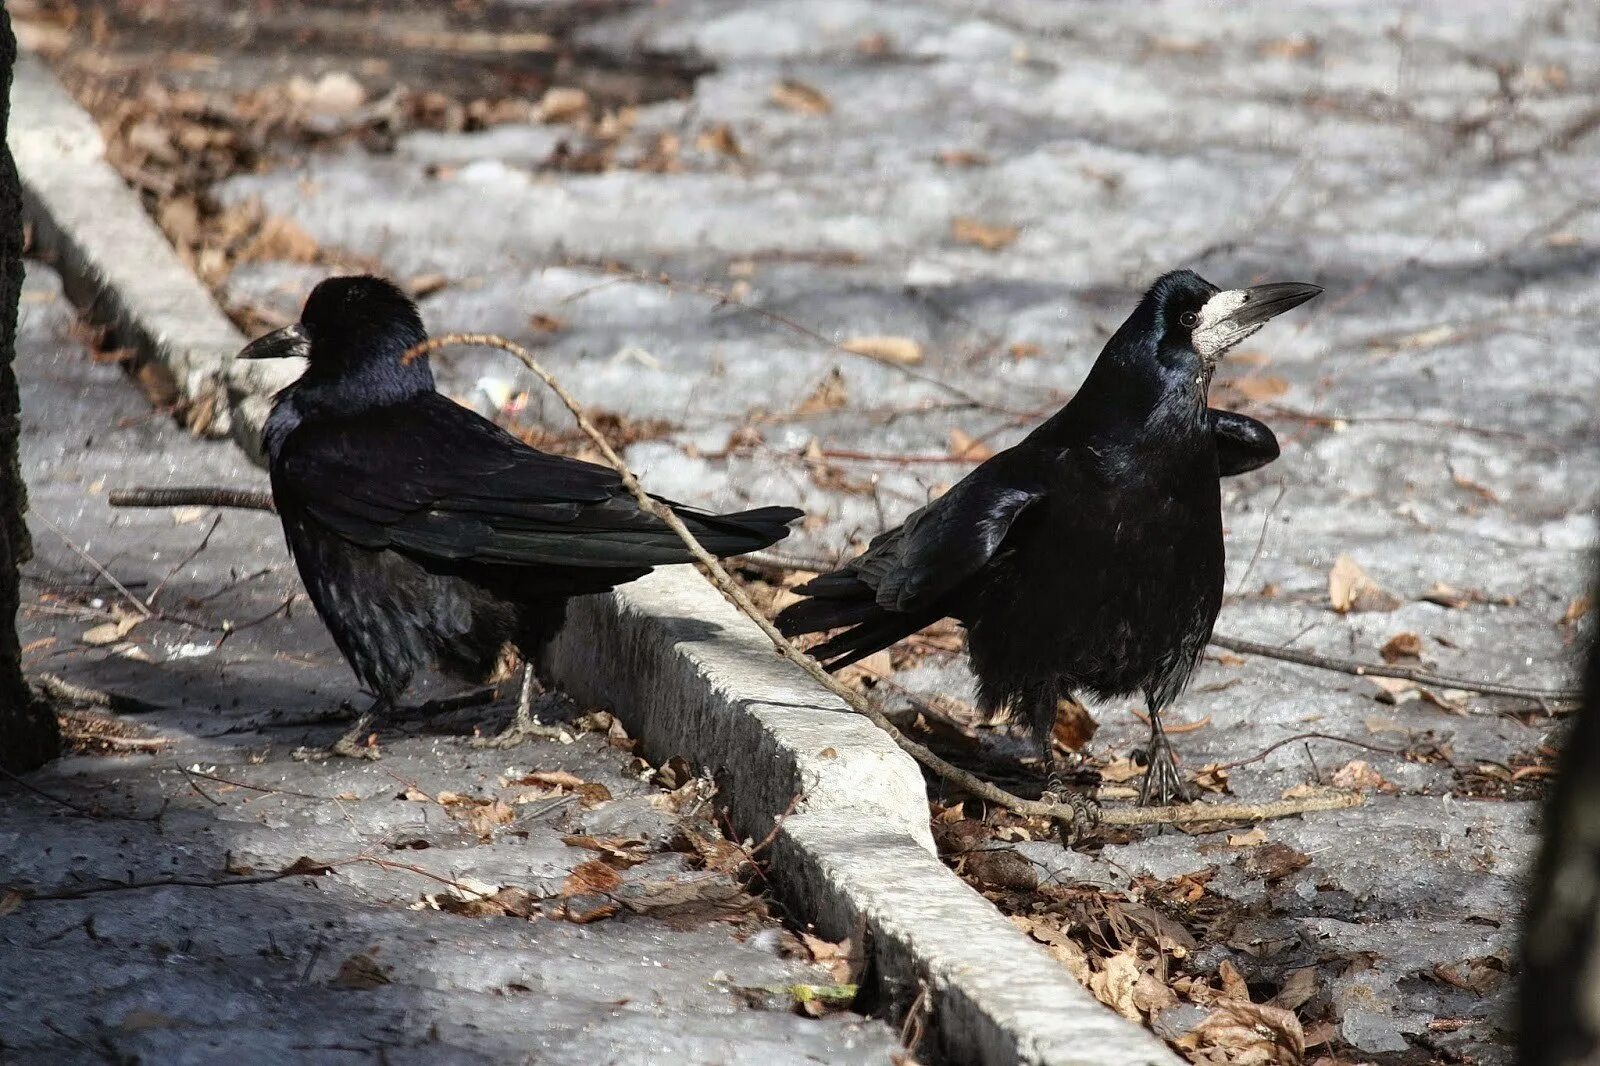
<point>28,734</point>
<point>1560,1008</point>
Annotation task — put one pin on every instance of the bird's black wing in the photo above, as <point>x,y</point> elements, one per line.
<point>436,481</point>
<point>912,568</point>
<point>1243,444</point>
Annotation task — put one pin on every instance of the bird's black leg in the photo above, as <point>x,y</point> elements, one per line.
<point>1163,784</point>
<point>353,744</point>
<point>525,726</point>
<point>1057,787</point>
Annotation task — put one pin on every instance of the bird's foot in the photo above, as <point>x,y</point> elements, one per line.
<point>1163,784</point>
<point>523,728</point>
<point>1085,808</point>
<point>520,732</point>
<point>359,743</point>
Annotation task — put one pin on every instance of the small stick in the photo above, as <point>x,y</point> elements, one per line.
<point>60,688</point>
<point>150,600</point>
<point>131,743</point>
<point>197,496</point>
<point>1403,673</point>
<point>138,604</point>
<point>1185,813</point>
<point>720,578</point>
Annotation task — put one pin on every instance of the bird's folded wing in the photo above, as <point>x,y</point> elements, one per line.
<point>1243,444</point>
<point>437,480</point>
<point>944,543</point>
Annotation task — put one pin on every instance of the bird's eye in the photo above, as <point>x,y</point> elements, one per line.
<point>1188,318</point>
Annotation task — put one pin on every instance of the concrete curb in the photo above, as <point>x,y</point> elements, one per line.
<point>119,267</point>
<point>688,673</point>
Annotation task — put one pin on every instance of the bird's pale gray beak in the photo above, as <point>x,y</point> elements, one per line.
<point>279,344</point>
<point>1232,315</point>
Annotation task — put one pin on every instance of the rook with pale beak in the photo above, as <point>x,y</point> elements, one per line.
<point>1087,560</point>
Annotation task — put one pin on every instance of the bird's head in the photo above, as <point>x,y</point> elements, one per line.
<point>348,324</point>
<point>1193,323</point>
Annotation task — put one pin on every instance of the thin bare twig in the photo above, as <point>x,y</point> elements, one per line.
<point>150,600</point>
<point>1402,673</point>
<point>138,604</point>
<point>728,587</point>
<point>1270,748</point>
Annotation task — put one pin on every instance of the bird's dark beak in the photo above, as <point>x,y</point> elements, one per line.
<point>1232,315</point>
<point>1261,302</point>
<point>279,344</point>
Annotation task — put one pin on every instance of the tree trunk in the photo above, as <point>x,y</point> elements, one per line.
<point>28,734</point>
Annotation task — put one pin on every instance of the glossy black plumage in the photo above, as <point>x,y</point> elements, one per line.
<point>423,532</point>
<point>1087,559</point>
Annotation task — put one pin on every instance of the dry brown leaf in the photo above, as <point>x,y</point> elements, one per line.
<point>360,971</point>
<point>836,956</point>
<point>887,349</point>
<point>1297,47</point>
<point>484,818</point>
<point>1115,982</point>
<point>621,852</point>
<point>1249,1034</point>
<point>1074,726</point>
<point>1024,350</point>
<point>282,239</point>
<point>1350,589</point>
<point>874,667</point>
<point>1250,839</point>
<point>1404,645</point>
<point>719,138</point>
<point>1358,775</point>
<point>1395,690</point>
<point>801,98</point>
<point>830,394</point>
<point>110,632</point>
<point>1579,607</point>
<point>1001,868</point>
<point>427,284</point>
<point>964,445</point>
<point>1483,492</point>
<point>1211,777</point>
<point>961,157</point>
<point>1299,986</point>
<point>988,236</point>
<point>1119,770</point>
<point>1233,982</point>
<point>548,778</point>
<point>1477,975</point>
<point>1259,388</point>
<point>560,104</point>
<point>591,878</point>
<point>1274,862</point>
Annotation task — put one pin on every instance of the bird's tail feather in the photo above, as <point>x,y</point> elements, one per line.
<point>741,531</point>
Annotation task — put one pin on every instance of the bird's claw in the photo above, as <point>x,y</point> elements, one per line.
<point>520,731</point>
<point>1163,784</point>
<point>343,748</point>
<point>1085,809</point>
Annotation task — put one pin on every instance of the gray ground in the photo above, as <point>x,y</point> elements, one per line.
<point>1434,167</point>
<point>340,967</point>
